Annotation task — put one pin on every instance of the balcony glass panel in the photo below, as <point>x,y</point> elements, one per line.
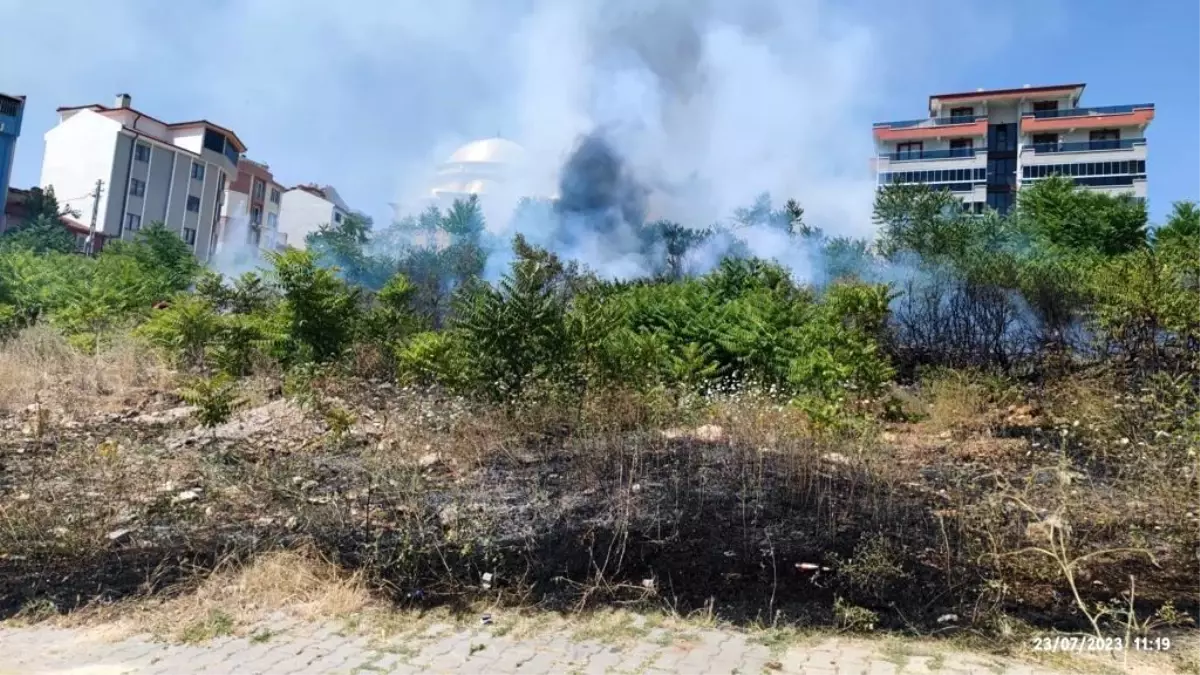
<point>1084,112</point>
<point>1087,146</point>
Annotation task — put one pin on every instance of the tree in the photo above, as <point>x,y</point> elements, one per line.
<point>41,230</point>
<point>922,221</point>
<point>161,254</point>
<point>1056,212</point>
<point>344,245</point>
<point>1182,228</point>
<point>321,308</point>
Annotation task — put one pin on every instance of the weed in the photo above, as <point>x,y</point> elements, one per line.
<point>852,618</point>
<point>215,624</point>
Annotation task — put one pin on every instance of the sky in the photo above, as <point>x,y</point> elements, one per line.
<point>738,97</point>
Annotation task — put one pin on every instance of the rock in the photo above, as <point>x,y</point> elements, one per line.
<point>448,515</point>
<point>185,497</point>
<point>889,437</point>
<point>124,518</point>
<point>672,434</point>
<point>947,618</point>
<point>836,458</point>
<point>429,460</point>
<point>120,536</point>
<point>710,433</point>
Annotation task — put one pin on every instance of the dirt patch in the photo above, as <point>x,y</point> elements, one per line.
<point>426,502</point>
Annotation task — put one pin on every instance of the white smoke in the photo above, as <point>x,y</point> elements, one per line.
<point>706,104</point>
<point>234,255</point>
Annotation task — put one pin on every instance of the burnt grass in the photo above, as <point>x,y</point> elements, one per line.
<point>623,517</point>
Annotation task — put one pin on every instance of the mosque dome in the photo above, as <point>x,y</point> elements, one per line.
<point>489,151</point>
<point>477,168</point>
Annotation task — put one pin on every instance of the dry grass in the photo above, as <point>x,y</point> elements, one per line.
<point>956,400</point>
<point>236,599</point>
<point>40,364</point>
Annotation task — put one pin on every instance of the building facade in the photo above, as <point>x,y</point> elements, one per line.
<point>146,170</point>
<point>305,209</point>
<point>251,208</point>
<point>985,145</point>
<point>12,109</point>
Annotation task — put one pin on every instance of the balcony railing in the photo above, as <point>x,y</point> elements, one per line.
<point>916,155</point>
<point>1087,112</point>
<point>931,121</point>
<point>1086,146</point>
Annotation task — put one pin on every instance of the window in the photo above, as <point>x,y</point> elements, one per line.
<point>253,236</point>
<point>137,188</point>
<point>1001,171</point>
<point>1104,139</point>
<point>197,171</point>
<point>132,222</point>
<point>193,204</point>
<point>141,152</point>
<point>1045,142</point>
<point>214,141</point>
<point>1001,201</point>
<point>904,151</point>
<point>337,217</point>
<point>1002,138</point>
<point>1045,107</point>
<point>189,236</point>
<point>273,221</point>
<point>259,189</point>
<point>966,111</point>
<point>274,196</point>
<point>256,215</point>
<point>962,147</point>
<point>218,143</point>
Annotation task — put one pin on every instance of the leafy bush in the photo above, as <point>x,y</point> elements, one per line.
<point>322,310</point>
<point>430,357</point>
<point>184,330</point>
<point>215,399</point>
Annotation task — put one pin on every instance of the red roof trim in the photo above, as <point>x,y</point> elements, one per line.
<point>1016,90</point>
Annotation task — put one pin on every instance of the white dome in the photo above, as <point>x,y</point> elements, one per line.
<point>477,168</point>
<point>488,151</point>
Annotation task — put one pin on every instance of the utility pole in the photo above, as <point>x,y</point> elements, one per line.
<point>90,245</point>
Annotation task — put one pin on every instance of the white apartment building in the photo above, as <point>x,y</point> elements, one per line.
<point>150,170</point>
<point>985,145</point>
<point>251,209</point>
<point>306,208</point>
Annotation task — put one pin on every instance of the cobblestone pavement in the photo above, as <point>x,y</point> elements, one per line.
<point>290,647</point>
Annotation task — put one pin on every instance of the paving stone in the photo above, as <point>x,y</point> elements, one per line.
<point>325,649</point>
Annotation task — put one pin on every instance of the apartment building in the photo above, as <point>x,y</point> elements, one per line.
<point>306,208</point>
<point>149,170</point>
<point>253,199</point>
<point>12,109</point>
<point>986,144</point>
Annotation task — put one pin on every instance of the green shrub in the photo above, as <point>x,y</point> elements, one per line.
<point>322,309</point>
<point>434,358</point>
<point>184,331</point>
<point>215,399</point>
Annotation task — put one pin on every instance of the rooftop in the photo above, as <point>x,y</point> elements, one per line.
<point>1075,91</point>
<point>115,111</point>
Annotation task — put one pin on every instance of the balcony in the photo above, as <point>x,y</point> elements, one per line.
<point>932,127</point>
<point>1087,112</point>
<point>919,155</point>
<point>1085,146</point>
<point>1138,114</point>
